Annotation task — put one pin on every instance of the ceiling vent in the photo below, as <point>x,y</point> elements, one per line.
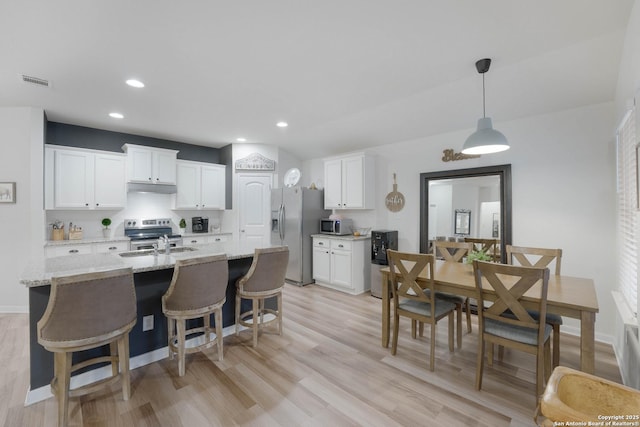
<point>35,81</point>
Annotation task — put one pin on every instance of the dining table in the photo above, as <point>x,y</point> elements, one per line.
<point>568,296</point>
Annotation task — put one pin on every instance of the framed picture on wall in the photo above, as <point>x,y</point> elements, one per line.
<point>463,222</point>
<point>7,192</point>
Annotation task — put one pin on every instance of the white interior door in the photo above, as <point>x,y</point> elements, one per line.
<point>254,193</point>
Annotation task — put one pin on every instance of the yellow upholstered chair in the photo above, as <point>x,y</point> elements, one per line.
<point>84,312</point>
<point>197,290</point>
<point>414,302</point>
<point>541,257</point>
<point>506,322</point>
<point>265,279</point>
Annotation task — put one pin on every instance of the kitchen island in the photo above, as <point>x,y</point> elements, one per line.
<point>152,276</point>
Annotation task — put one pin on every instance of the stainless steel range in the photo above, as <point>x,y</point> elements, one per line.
<point>144,233</point>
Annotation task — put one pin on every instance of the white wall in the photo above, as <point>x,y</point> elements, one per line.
<point>563,168</point>
<point>21,142</point>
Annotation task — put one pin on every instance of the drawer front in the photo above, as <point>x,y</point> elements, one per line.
<point>200,240</point>
<point>112,247</point>
<point>218,239</point>
<point>63,250</point>
<point>343,245</point>
<point>321,242</point>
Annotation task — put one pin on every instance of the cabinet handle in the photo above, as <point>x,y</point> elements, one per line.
<point>194,241</point>
<point>340,246</point>
<point>218,239</point>
<point>73,251</point>
<point>149,178</point>
<point>113,248</point>
<point>157,179</point>
<point>86,204</point>
<point>97,204</point>
<point>320,243</point>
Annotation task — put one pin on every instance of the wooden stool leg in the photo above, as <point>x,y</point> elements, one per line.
<point>219,336</point>
<point>280,313</point>
<point>255,321</point>
<point>206,319</point>
<point>113,352</point>
<point>468,310</point>
<point>459,325</point>
<point>181,338</point>
<point>123,358</point>
<point>171,333</point>
<point>238,314</point>
<point>62,378</point>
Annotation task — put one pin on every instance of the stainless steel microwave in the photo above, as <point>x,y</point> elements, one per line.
<point>335,226</point>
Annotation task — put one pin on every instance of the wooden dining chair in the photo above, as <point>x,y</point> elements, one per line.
<point>540,257</point>
<point>455,252</point>
<point>412,301</point>
<point>488,246</point>
<point>506,322</point>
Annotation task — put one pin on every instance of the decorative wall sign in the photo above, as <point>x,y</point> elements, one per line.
<point>451,156</point>
<point>255,162</point>
<point>394,200</point>
<point>7,192</point>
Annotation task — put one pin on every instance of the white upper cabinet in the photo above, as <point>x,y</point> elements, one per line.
<point>200,185</point>
<point>150,165</point>
<point>349,182</point>
<point>84,179</point>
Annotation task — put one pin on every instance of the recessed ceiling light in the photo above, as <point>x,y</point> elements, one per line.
<point>282,124</point>
<point>241,139</point>
<point>116,115</point>
<point>135,83</point>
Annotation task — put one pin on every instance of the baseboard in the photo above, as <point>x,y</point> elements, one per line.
<point>44,392</point>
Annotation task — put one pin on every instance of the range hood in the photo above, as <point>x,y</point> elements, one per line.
<point>138,187</point>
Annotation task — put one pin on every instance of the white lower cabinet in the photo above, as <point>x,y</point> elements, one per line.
<point>51,251</point>
<point>111,247</point>
<point>204,239</point>
<point>342,263</point>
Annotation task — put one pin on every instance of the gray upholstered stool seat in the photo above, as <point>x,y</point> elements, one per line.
<point>197,290</point>
<point>265,279</point>
<point>84,312</point>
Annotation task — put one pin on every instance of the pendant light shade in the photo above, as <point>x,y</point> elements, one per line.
<point>486,139</point>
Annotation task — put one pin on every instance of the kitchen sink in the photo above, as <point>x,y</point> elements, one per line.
<point>160,251</point>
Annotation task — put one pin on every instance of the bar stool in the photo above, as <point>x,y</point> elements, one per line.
<point>88,311</point>
<point>265,279</point>
<point>197,290</point>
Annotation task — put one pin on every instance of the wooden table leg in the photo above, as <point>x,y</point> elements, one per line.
<point>587,342</point>
<point>385,310</point>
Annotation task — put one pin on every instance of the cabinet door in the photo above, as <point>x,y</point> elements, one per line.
<point>194,240</point>
<point>140,163</point>
<point>111,247</point>
<point>353,182</point>
<point>73,179</point>
<point>109,188</point>
<point>164,164</point>
<point>341,268</point>
<point>333,184</point>
<point>321,264</point>
<point>188,191</point>
<point>63,250</point>
<point>213,187</point>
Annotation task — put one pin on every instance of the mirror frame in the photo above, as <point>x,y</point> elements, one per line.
<point>502,171</point>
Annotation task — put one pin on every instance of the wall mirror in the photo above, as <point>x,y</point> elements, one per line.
<point>479,197</point>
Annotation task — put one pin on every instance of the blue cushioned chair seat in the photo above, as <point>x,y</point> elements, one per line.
<point>515,333</point>
<point>424,308</point>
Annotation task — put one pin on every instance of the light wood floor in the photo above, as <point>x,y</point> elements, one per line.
<point>327,369</point>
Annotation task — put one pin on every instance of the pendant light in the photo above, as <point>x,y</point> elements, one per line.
<point>486,139</point>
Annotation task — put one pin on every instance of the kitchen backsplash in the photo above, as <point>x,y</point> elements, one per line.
<point>139,205</point>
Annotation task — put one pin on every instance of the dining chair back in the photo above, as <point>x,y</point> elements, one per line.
<point>541,257</point>
<point>452,251</point>
<point>488,246</point>
<point>412,300</point>
<point>507,322</point>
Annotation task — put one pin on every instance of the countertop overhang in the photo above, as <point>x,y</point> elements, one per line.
<point>40,270</point>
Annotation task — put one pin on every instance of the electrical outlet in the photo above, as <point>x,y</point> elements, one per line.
<point>147,323</point>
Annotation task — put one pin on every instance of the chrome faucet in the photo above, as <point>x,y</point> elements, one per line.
<point>167,246</point>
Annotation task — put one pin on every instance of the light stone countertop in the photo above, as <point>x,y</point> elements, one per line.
<point>342,237</point>
<point>40,270</point>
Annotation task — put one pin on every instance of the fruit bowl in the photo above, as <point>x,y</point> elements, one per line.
<point>359,231</point>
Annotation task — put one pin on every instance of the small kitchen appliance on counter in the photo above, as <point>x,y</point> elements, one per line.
<point>199,224</point>
<point>145,232</point>
<point>337,226</point>
<point>381,240</point>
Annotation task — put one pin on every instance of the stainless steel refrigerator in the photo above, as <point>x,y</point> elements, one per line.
<point>295,216</point>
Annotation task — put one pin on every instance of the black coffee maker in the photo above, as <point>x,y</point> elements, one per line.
<point>199,224</point>
<point>381,240</point>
